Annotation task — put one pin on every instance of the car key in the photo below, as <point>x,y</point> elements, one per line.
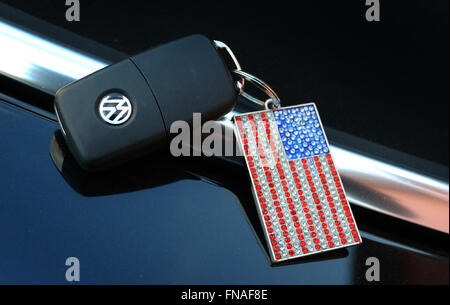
<point>125,110</point>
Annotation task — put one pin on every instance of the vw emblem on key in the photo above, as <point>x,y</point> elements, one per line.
<point>115,108</point>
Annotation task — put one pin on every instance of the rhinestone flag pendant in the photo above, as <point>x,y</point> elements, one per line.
<point>298,192</point>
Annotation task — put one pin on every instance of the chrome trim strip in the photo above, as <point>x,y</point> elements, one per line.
<point>41,63</point>
<point>394,191</point>
<point>370,183</point>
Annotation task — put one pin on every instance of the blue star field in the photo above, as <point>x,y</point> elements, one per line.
<point>301,132</point>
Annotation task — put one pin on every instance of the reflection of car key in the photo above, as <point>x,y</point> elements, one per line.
<point>126,109</point>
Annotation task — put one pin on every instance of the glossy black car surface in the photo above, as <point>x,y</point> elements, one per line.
<point>164,220</point>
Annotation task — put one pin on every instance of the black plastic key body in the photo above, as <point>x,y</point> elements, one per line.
<point>125,110</point>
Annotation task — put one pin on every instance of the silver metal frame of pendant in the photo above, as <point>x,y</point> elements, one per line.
<point>255,196</point>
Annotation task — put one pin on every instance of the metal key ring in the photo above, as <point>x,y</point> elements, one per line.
<point>261,85</point>
<point>221,45</point>
<point>272,102</point>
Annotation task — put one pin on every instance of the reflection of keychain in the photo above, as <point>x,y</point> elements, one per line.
<point>299,195</point>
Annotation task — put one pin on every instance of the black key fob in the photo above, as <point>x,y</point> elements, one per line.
<point>126,109</point>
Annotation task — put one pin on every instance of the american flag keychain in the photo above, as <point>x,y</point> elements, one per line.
<point>299,194</point>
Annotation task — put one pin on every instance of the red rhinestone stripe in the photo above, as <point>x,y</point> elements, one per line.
<point>280,172</point>
<point>333,204</point>
<point>324,184</point>
<point>343,200</point>
<point>304,205</point>
<point>312,189</point>
<point>257,185</point>
<point>268,159</point>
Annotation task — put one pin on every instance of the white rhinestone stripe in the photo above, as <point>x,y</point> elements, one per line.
<point>283,205</point>
<point>311,200</point>
<point>258,165</point>
<point>276,181</point>
<point>336,201</point>
<point>294,195</point>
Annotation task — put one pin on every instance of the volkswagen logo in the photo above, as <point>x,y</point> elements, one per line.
<point>115,108</point>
